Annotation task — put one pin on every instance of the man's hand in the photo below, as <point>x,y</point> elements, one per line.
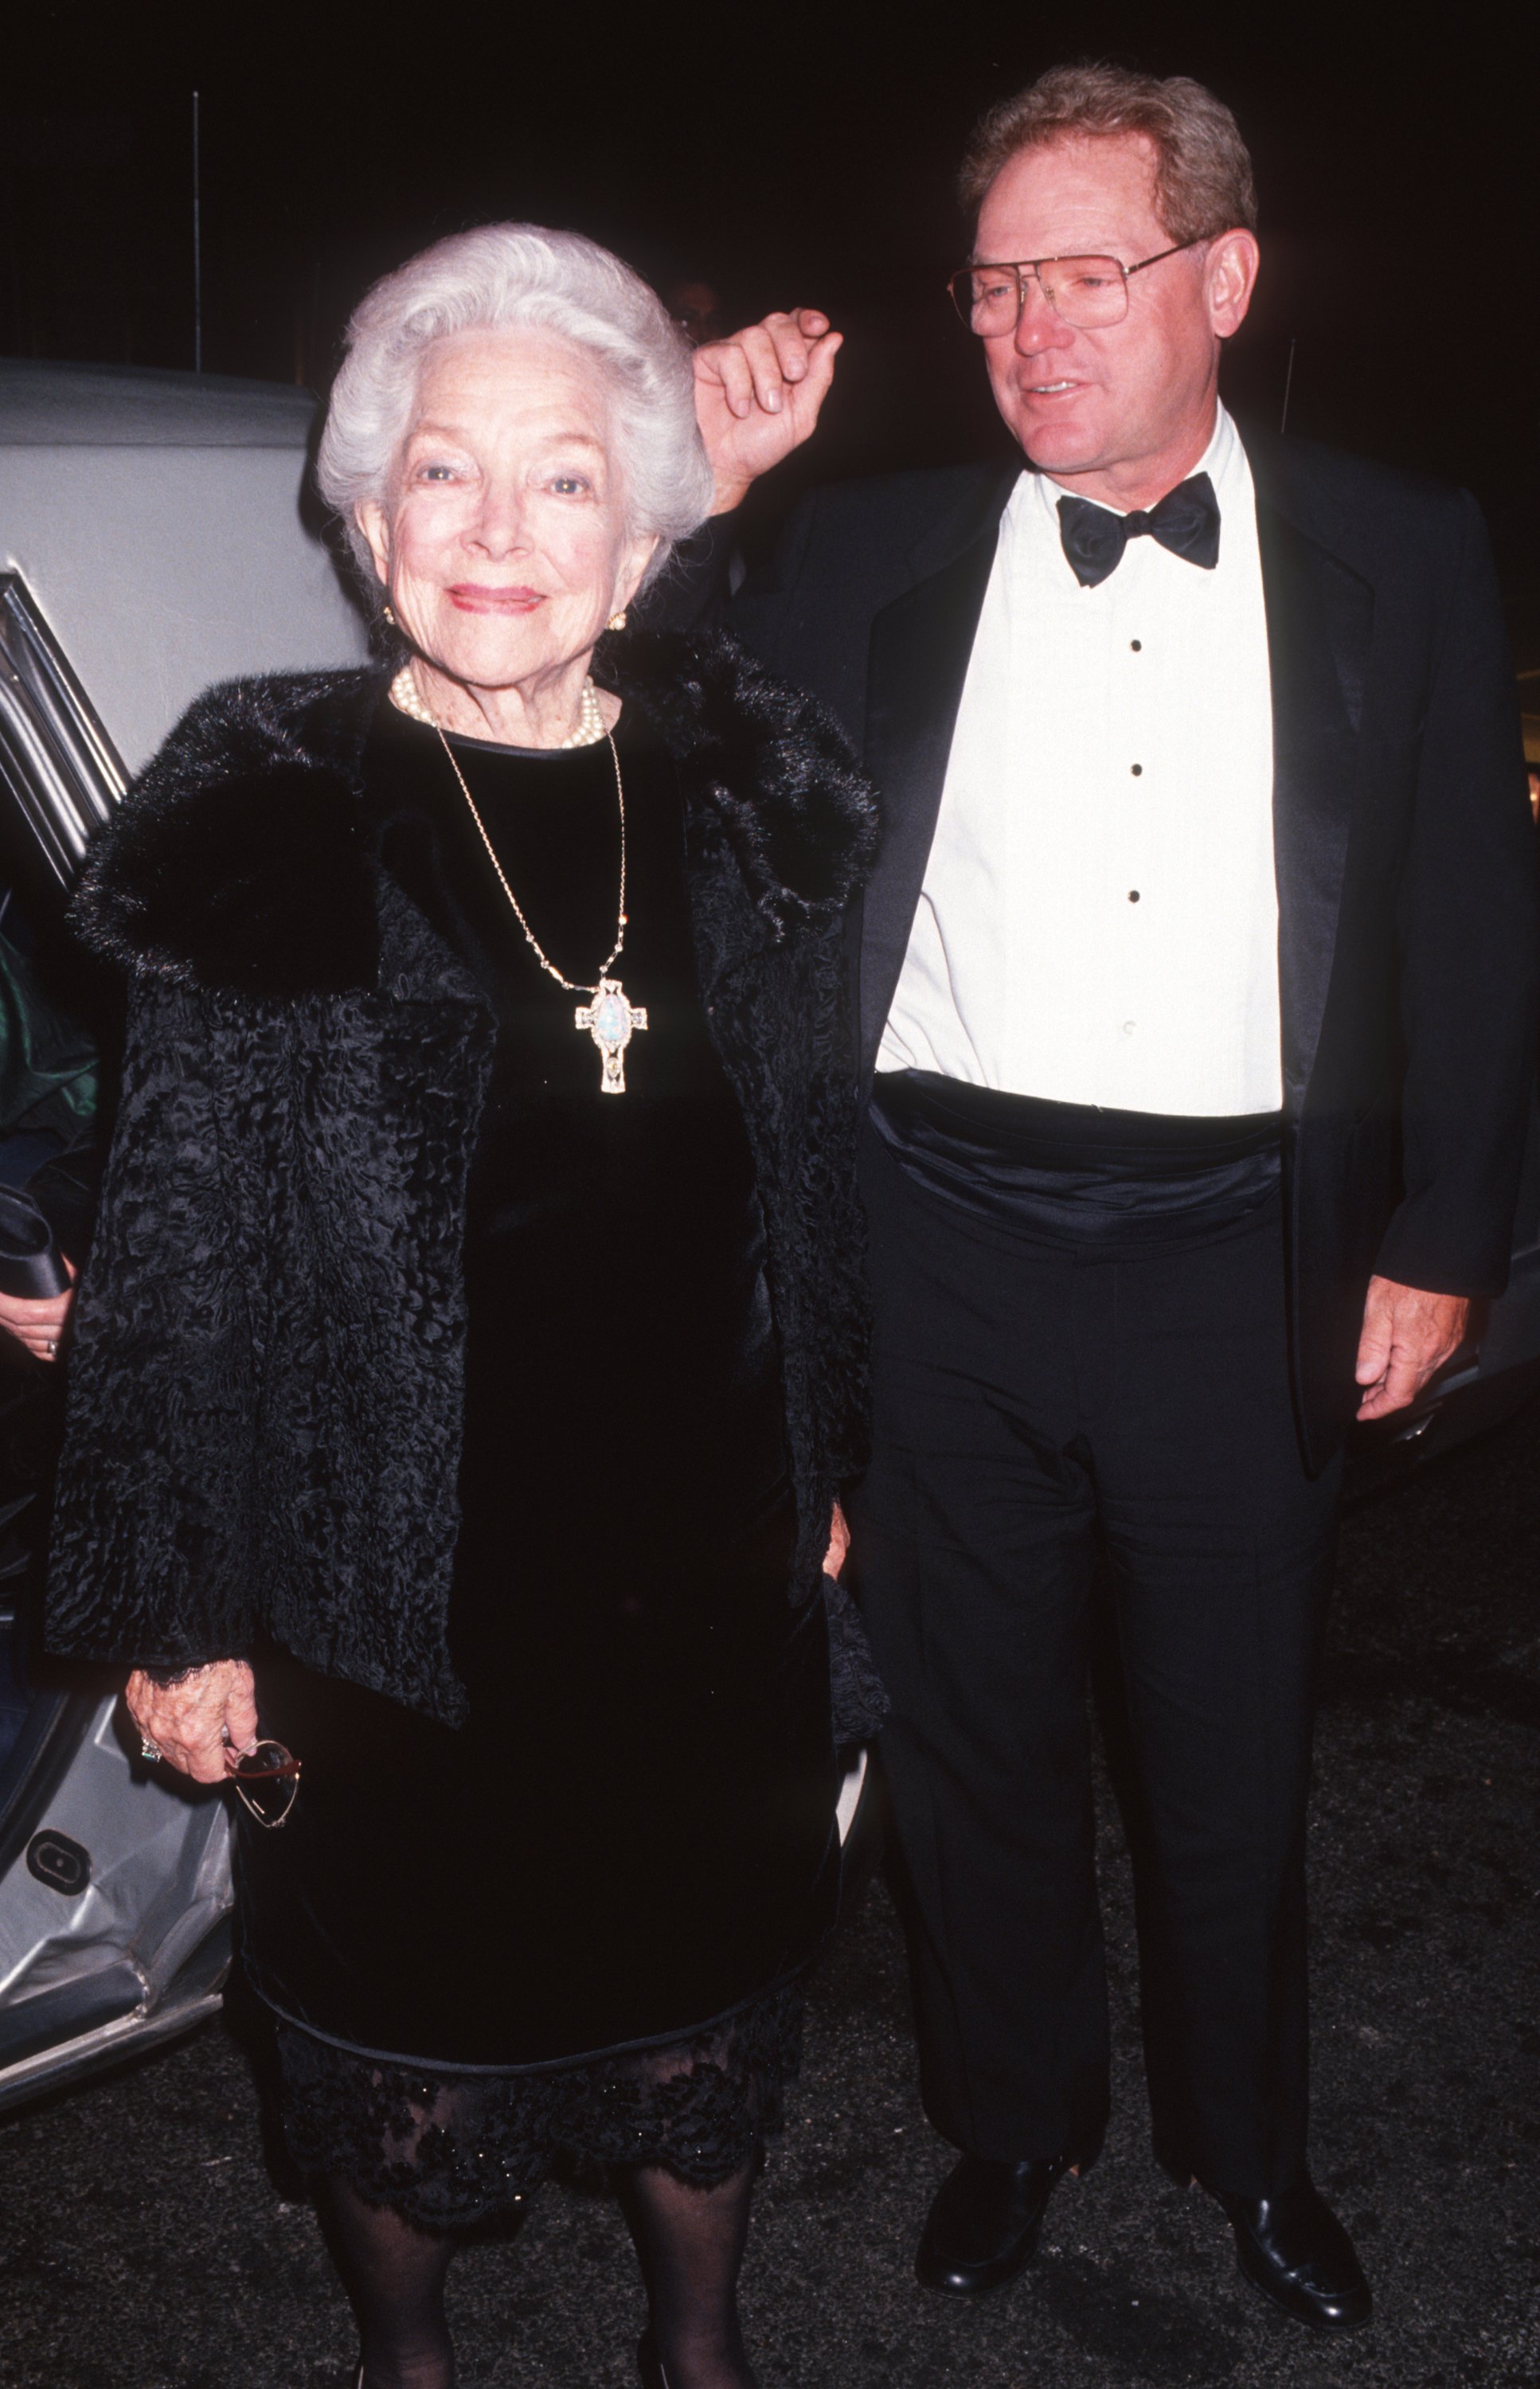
<point>757,396</point>
<point>197,1722</point>
<point>839,1543</point>
<point>38,1326</point>
<point>1408,1335</point>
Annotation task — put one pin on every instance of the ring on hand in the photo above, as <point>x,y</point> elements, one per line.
<point>50,1348</point>
<point>148,1749</point>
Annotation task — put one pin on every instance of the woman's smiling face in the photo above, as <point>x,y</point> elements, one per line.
<point>503,543</point>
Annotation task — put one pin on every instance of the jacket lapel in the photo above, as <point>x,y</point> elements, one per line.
<point>1319,624</point>
<point>920,645</point>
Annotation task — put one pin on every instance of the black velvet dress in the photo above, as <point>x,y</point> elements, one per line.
<point>578,1922</point>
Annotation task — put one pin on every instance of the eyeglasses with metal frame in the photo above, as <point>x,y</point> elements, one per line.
<point>266,1782</point>
<point>1088,293</point>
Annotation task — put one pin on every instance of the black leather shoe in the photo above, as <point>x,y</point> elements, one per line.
<point>983,2221</point>
<point>1297,2254</point>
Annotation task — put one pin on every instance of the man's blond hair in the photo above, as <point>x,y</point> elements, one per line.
<point>1204,181</point>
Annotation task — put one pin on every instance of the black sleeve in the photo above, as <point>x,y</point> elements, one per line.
<point>66,1190</point>
<point>760,606</point>
<point>149,1550</point>
<point>707,584</point>
<point>1469,944</point>
<point>693,591</point>
<point>833,1199</point>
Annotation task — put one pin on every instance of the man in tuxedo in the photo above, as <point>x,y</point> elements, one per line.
<point>1195,984</point>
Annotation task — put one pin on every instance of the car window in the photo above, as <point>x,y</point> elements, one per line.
<point>49,1066</point>
<point>59,777</point>
<point>60,770</point>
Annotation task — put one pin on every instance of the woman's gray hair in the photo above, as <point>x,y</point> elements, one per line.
<point>506,278</point>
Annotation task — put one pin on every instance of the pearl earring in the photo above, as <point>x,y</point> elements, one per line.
<point>616,622</point>
<point>388,616</point>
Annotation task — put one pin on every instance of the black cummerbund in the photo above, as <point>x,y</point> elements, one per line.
<point>1071,1173</point>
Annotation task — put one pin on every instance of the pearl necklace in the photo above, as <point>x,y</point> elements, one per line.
<point>590,720</point>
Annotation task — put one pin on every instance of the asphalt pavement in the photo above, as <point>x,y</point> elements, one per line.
<point>149,2239</point>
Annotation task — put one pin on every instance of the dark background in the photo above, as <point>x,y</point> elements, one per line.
<point>784,154</point>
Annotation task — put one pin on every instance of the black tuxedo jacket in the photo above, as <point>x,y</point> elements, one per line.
<point>1407,930</point>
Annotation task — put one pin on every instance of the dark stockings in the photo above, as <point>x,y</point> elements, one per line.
<point>394,2273</point>
<point>691,2244</point>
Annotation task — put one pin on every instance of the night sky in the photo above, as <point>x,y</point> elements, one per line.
<point>785,154</point>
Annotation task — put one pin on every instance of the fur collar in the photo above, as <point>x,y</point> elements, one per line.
<point>240,859</point>
<point>770,761</point>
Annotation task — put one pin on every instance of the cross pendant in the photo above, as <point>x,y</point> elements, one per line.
<point>611,1021</point>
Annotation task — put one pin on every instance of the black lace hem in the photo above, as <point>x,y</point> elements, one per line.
<point>445,2149</point>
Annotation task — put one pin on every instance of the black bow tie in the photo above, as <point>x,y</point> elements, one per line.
<point>1187,521</point>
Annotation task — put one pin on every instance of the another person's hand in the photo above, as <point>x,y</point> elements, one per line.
<point>1408,1335</point>
<point>757,395</point>
<point>839,1543</point>
<point>196,1722</point>
<point>38,1326</point>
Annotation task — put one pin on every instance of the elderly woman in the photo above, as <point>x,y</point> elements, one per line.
<point>469,1357</point>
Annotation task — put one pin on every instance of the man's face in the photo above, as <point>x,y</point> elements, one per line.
<point>1134,401</point>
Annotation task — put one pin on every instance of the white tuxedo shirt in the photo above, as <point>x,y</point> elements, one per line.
<point>1099,920</point>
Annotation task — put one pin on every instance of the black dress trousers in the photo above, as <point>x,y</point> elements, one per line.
<point>1040,1404</point>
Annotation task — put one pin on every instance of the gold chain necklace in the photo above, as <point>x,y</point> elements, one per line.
<point>611,1019</point>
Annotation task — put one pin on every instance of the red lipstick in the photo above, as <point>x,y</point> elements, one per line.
<point>475,597</point>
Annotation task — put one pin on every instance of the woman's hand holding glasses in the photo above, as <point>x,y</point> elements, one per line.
<point>205,1725</point>
<point>201,1723</point>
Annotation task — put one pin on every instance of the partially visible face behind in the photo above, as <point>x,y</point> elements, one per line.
<point>504,541</point>
<point>1123,413</point>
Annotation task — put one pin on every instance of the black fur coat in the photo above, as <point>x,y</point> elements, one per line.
<point>266,1386</point>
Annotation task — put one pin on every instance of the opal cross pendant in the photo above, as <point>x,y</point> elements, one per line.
<point>611,1021</point>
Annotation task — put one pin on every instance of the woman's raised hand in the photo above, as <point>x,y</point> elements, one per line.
<point>757,395</point>
<point>38,1326</point>
<point>196,1722</point>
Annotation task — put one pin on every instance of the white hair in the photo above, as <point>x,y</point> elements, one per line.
<point>503,278</point>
